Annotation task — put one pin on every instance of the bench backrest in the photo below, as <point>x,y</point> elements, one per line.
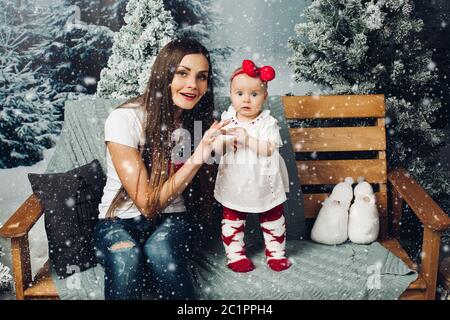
<point>329,148</point>
<point>324,154</point>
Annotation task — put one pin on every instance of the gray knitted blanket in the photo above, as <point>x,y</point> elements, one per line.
<point>320,272</point>
<point>348,271</point>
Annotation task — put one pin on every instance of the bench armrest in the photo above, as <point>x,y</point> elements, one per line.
<point>433,218</point>
<point>21,222</point>
<point>423,206</point>
<point>17,228</point>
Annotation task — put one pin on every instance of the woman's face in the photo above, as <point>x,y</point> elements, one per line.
<point>190,81</point>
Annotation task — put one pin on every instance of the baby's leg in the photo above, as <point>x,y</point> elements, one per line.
<point>233,224</point>
<point>274,231</point>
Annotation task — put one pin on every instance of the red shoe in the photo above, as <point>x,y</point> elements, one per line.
<point>279,264</point>
<point>243,265</point>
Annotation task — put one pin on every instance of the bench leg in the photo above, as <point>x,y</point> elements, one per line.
<point>430,260</point>
<point>21,265</point>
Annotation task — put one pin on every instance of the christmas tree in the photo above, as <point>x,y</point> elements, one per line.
<point>24,18</point>
<point>373,47</point>
<point>435,15</point>
<point>149,26</point>
<point>74,51</point>
<point>28,119</point>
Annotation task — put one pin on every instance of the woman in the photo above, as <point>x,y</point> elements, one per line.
<point>149,205</point>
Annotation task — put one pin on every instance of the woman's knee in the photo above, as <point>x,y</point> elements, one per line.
<point>124,256</point>
<point>158,251</point>
<point>165,255</point>
<point>170,244</point>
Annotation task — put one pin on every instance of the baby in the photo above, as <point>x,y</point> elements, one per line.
<point>252,176</point>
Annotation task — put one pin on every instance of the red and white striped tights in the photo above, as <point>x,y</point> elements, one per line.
<point>274,230</point>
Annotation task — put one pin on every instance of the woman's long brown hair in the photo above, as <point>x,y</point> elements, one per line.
<point>158,126</point>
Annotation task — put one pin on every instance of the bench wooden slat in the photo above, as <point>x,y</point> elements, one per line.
<point>314,172</point>
<point>338,139</point>
<point>321,107</point>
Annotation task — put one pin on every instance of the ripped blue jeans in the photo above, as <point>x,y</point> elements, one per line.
<point>137,253</point>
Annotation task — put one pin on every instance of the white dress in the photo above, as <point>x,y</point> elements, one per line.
<point>245,181</point>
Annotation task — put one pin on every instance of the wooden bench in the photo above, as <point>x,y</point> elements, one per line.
<point>392,189</point>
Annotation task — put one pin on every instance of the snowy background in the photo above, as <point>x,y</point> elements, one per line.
<point>259,29</point>
<point>255,29</point>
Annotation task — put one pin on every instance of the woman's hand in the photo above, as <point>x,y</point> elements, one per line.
<point>203,151</point>
<point>241,137</point>
<point>243,140</point>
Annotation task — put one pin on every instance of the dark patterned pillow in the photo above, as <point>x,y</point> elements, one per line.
<point>70,201</point>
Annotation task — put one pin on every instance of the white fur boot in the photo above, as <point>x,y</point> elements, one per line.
<point>331,225</point>
<point>364,222</point>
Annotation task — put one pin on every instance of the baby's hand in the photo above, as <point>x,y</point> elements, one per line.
<point>241,136</point>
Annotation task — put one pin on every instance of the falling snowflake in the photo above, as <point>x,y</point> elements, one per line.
<point>89,81</point>
<point>431,66</point>
<point>70,202</point>
<point>171,266</point>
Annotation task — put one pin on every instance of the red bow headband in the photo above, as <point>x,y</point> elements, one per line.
<point>265,73</point>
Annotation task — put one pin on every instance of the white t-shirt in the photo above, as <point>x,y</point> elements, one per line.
<point>245,181</point>
<point>125,126</point>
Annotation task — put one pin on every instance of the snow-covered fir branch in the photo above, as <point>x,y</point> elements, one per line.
<point>149,26</point>
<point>5,274</point>
<point>46,55</point>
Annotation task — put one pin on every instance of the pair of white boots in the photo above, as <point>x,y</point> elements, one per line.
<point>337,221</point>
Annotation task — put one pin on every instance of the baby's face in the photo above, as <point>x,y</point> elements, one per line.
<point>247,96</point>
